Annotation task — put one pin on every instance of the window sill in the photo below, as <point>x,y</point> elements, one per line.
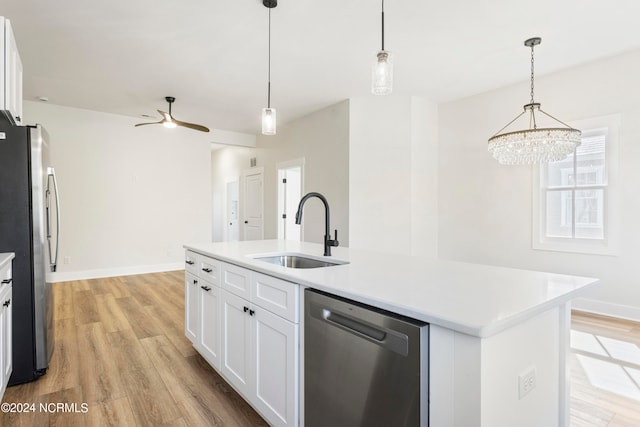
<point>587,247</point>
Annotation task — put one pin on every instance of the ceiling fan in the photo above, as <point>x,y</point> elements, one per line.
<point>169,122</point>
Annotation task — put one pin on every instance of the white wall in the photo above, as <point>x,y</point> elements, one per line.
<point>486,209</point>
<point>130,197</point>
<point>322,139</point>
<point>393,174</point>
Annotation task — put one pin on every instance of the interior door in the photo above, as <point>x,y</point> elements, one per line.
<point>233,204</point>
<point>253,204</point>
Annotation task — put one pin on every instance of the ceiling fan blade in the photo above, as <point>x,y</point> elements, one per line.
<point>191,126</point>
<point>166,116</point>
<point>151,123</point>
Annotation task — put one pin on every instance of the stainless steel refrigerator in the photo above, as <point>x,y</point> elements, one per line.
<point>29,227</point>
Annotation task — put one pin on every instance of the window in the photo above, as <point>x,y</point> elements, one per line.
<point>574,199</point>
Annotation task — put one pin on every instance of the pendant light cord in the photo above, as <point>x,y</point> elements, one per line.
<point>269,71</point>
<point>532,119</point>
<point>532,101</point>
<point>383,25</point>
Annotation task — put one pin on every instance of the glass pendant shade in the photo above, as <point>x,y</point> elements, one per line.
<point>382,74</point>
<point>268,121</point>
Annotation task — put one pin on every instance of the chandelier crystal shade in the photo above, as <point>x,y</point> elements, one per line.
<point>533,144</point>
<point>269,114</point>
<point>382,70</point>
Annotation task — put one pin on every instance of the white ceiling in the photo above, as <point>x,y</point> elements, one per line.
<point>124,56</point>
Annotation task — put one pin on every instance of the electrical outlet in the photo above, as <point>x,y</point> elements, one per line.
<point>526,382</point>
<point>67,260</point>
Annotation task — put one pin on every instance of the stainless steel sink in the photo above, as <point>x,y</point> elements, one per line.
<point>297,261</point>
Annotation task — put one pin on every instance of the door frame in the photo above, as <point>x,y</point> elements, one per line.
<point>282,166</point>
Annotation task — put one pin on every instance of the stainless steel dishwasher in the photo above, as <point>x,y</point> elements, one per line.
<point>363,366</point>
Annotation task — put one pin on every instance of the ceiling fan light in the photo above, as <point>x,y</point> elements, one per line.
<point>268,121</point>
<point>382,74</point>
<point>169,124</point>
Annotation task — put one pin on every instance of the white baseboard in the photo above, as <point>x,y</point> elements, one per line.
<point>607,308</point>
<point>68,276</point>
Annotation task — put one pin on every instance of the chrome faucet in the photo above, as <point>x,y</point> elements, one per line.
<point>328,242</point>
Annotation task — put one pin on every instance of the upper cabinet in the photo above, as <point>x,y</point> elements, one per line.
<point>10,74</point>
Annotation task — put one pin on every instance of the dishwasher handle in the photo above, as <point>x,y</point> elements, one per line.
<point>384,337</point>
<point>354,325</point>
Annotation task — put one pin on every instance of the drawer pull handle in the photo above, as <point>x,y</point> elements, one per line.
<point>207,270</point>
<point>206,288</point>
<point>7,303</point>
<point>7,281</point>
<point>189,262</point>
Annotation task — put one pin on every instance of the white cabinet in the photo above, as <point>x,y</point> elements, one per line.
<point>209,328</point>
<point>191,307</point>
<point>276,350</point>
<point>202,305</point>
<point>237,351</point>
<point>10,74</point>
<point>260,347</point>
<point>247,329</point>
<point>6,316</point>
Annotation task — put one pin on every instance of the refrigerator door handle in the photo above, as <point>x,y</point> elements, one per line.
<point>53,260</point>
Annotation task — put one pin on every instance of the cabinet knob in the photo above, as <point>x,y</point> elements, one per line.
<point>7,303</point>
<point>246,222</point>
<point>251,312</point>
<point>246,308</point>
<point>195,282</point>
<point>7,281</point>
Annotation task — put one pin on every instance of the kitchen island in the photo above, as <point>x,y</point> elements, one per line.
<point>498,337</point>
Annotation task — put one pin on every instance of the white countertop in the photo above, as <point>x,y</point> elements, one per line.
<point>6,258</point>
<point>474,299</point>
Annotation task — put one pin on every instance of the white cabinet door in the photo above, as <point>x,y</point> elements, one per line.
<point>275,390</point>
<point>191,307</point>
<point>6,341</point>
<point>236,364</point>
<point>209,340</point>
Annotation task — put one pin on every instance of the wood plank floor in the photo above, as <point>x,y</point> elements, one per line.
<point>605,371</point>
<point>121,350</point>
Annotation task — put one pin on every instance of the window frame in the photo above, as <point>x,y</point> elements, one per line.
<point>609,245</point>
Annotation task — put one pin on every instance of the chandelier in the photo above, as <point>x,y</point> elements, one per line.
<point>533,145</point>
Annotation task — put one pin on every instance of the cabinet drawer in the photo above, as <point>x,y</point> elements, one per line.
<point>5,276</point>
<point>209,270</point>
<point>191,262</point>
<point>276,295</point>
<point>236,280</point>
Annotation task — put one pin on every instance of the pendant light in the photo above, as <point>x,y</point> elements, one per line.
<point>534,145</point>
<point>382,72</point>
<point>269,114</point>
